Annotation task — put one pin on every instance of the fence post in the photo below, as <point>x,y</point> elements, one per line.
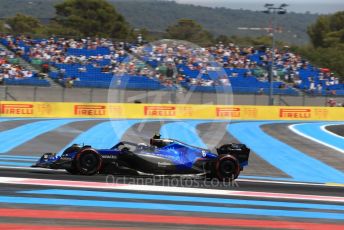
<point>63,91</point>
<point>303,99</point>
<point>35,93</point>
<point>326,99</point>
<point>147,96</point>
<point>173,96</point>
<point>6,92</point>
<point>119,96</point>
<point>91,95</point>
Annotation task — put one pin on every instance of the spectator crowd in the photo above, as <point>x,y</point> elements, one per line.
<point>168,62</point>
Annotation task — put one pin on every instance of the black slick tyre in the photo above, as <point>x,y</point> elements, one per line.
<point>88,162</point>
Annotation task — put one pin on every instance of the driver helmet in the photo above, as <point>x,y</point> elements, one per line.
<point>157,136</point>
<point>142,146</point>
<point>154,139</point>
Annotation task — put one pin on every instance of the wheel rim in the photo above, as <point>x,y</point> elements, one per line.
<point>89,161</point>
<point>227,168</point>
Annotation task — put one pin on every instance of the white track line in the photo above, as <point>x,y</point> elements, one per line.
<point>292,128</point>
<point>280,182</point>
<point>238,180</point>
<point>31,168</point>
<point>166,189</point>
<point>323,128</point>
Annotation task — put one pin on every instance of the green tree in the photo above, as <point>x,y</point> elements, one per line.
<point>92,18</point>
<point>146,35</point>
<point>54,28</point>
<point>189,30</point>
<point>2,26</point>
<point>23,24</point>
<point>327,37</point>
<point>331,57</point>
<point>328,30</point>
<point>223,39</point>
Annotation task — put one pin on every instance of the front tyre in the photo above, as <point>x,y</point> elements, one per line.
<point>72,170</point>
<point>88,162</point>
<point>227,168</point>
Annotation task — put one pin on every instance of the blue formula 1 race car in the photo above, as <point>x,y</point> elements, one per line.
<point>161,157</point>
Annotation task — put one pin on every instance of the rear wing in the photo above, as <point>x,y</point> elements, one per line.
<point>239,151</point>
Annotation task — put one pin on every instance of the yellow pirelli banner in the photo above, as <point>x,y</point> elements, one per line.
<point>167,111</point>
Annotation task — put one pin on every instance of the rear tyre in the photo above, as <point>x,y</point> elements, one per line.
<point>88,162</point>
<point>227,168</point>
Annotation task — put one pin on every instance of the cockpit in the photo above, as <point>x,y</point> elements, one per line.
<point>160,143</point>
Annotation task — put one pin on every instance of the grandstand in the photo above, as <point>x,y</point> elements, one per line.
<point>101,63</point>
<point>12,73</point>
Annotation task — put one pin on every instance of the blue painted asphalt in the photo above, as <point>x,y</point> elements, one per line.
<point>299,166</point>
<point>296,164</point>
<point>19,157</point>
<point>184,131</point>
<point>103,135</point>
<point>17,160</point>
<point>171,207</point>
<point>15,164</point>
<point>17,136</point>
<point>86,193</point>
<point>314,130</point>
<point>288,179</point>
<point>7,119</point>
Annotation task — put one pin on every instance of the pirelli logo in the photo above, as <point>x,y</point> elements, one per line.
<point>227,112</point>
<point>166,111</point>
<point>17,109</point>
<point>90,110</point>
<point>295,113</point>
<point>115,110</point>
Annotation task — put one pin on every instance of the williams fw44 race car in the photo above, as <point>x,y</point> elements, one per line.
<point>161,157</point>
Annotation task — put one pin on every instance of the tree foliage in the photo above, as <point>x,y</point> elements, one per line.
<point>55,29</point>
<point>328,31</point>
<point>327,36</point>
<point>23,24</point>
<point>2,26</point>
<point>157,15</point>
<point>189,30</point>
<point>92,18</point>
<point>331,57</point>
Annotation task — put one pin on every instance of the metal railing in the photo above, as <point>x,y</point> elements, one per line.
<point>49,94</point>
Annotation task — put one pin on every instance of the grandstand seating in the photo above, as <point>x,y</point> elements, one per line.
<point>27,81</point>
<point>88,71</point>
<point>12,73</point>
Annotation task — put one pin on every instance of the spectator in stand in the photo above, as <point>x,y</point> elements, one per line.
<point>170,71</point>
<point>332,102</point>
<point>224,80</point>
<point>10,71</point>
<point>197,61</point>
<point>319,88</point>
<point>45,68</point>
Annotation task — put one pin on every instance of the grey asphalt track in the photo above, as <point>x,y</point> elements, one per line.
<point>142,132</point>
<point>12,124</point>
<point>311,148</point>
<point>215,134</point>
<point>12,190</point>
<point>58,138</point>
<point>54,140</point>
<point>250,185</point>
<point>337,129</point>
